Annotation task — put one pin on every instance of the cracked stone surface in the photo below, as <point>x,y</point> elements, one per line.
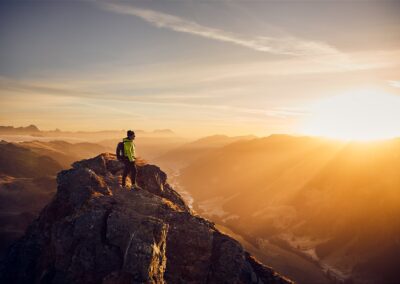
<point>93,231</point>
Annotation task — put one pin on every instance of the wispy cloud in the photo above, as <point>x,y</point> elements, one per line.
<point>394,83</point>
<point>66,94</point>
<point>284,45</point>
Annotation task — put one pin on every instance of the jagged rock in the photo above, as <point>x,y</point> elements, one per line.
<point>94,231</point>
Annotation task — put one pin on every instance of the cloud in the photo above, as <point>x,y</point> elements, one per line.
<point>284,45</point>
<point>64,94</point>
<point>394,83</point>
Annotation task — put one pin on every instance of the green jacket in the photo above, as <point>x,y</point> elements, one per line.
<point>129,149</point>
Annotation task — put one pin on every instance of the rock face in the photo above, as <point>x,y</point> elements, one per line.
<point>93,231</point>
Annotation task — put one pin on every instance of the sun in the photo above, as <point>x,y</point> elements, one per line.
<point>368,114</point>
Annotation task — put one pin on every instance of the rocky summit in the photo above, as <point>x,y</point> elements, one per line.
<point>94,231</point>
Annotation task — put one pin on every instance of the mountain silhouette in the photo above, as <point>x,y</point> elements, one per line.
<point>30,129</point>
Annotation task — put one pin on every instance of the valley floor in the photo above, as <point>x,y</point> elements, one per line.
<point>295,264</point>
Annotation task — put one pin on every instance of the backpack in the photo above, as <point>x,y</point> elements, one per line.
<point>120,151</point>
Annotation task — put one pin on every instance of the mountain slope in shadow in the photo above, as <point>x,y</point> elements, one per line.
<point>28,180</point>
<point>63,152</point>
<point>187,153</point>
<point>17,161</point>
<point>333,202</point>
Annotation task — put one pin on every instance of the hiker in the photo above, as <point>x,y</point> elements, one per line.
<point>126,154</point>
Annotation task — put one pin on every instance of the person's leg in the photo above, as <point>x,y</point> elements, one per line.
<point>125,173</point>
<point>133,173</point>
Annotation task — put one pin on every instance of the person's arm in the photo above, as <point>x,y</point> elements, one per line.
<point>133,152</point>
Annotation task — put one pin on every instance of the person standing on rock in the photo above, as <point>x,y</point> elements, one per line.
<point>129,158</point>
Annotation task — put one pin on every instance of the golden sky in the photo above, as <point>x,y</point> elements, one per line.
<point>328,68</point>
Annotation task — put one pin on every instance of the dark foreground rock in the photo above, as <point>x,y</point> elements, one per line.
<point>95,232</point>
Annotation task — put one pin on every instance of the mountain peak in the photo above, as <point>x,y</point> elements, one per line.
<point>28,129</point>
<point>96,232</point>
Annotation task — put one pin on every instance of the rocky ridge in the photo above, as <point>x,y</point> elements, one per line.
<point>93,231</point>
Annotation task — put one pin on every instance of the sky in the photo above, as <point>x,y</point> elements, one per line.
<point>202,67</point>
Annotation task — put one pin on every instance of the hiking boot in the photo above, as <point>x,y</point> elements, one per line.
<point>124,186</point>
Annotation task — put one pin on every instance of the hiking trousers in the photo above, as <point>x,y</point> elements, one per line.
<point>130,169</point>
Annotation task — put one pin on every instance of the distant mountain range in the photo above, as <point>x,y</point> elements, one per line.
<point>31,129</point>
<point>34,130</point>
<point>186,153</point>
